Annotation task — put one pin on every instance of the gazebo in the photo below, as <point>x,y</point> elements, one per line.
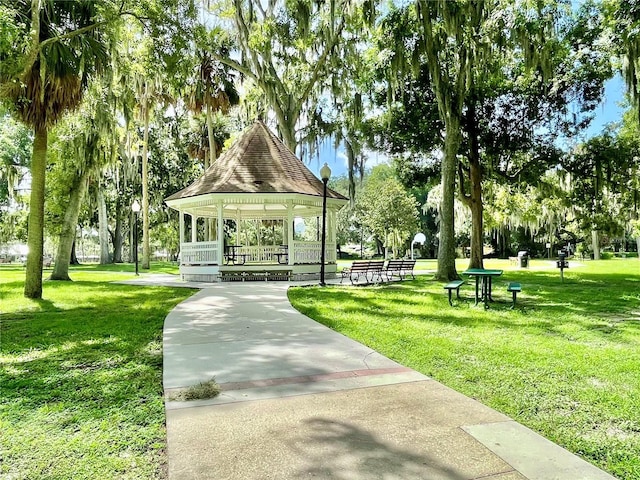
<point>244,212</point>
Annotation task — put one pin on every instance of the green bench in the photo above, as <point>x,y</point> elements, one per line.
<point>454,285</point>
<point>514,288</point>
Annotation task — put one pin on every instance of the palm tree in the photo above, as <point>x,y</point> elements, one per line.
<point>212,92</point>
<point>64,50</point>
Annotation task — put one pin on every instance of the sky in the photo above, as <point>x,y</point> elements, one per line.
<point>609,111</point>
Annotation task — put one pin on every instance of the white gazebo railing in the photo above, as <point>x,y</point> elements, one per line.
<point>309,252</point>
<point>206,253</point>
<point>262,254</point>
<point>199,253</point>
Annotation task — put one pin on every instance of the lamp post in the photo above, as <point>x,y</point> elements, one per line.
<point>135,208</point>
<point>325,173</point>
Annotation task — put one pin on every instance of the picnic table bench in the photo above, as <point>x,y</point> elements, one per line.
<point>454,285</point>
<point>514,288</point>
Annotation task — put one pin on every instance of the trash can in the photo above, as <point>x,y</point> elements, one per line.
<point>523,259</point>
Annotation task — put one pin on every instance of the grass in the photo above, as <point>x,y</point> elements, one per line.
<point>199,391</point>
<point>81,377</point>
<point>156,267</point>
<point>565,362</point>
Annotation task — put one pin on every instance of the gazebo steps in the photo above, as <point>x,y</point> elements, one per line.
<point>252,276</point>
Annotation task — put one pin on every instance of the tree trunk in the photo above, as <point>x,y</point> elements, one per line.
<point>74,259</point>
<point>475,199</point>
<point>66,240</point>
<point>212,141</point>
<point>117,235</point>
<point>477,228</point>
<point>287,128</point>
<point>145,187</point>
<point>35,233</point>
<point>447,248</point>
<point>103,231</point>
<point>638,246</point>
<point>595,244</point>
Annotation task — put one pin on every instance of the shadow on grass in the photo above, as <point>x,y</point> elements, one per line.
<point>105,351</point>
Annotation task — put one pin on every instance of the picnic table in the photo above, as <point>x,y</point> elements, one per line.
<point>483,278</point>
<point>283,255</point>
<point>232,256</point>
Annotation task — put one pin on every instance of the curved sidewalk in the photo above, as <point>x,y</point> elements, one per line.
<point>301,401</point>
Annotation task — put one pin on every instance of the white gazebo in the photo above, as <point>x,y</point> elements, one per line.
<point>243,213</point>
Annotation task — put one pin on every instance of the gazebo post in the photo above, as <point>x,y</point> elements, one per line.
<point>194,228</point>
<point>238,242</point>
<point>290,252</point>
<point>220,233</point>
<point>181,220</point>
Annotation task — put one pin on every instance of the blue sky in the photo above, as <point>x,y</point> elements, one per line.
<point>609,111</point>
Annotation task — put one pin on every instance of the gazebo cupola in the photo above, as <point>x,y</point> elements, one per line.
<point>243,213</point>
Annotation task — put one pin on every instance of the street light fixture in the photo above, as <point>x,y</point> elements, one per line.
<point>325,173</point>
<point>135,208</point>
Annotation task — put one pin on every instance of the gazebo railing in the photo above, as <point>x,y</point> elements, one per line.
<point>309,252</point>
<point>262,254</point>
<point>206,253</point>
<point>199,253</point>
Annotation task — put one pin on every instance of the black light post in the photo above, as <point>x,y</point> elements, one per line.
<point>135,207</point>
<point>325,173</point>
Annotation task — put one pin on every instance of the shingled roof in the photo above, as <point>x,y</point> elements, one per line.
<point>258,162</point>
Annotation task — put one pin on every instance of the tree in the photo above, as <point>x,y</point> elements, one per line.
<point>624,25</point>
<point>56,47</point>
<point>513,101</point>
<point>388,211</point>
<point>288,50</point>
<point>14,156</point>
<point>599,171</point>
<point>82,145</point>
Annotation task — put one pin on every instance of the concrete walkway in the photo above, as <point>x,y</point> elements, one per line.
<point>301,401</point>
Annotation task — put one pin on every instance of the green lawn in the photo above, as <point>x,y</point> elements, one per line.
<point>565,362</point>
<point>81,377</point>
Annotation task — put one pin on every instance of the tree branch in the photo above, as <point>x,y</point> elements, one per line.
<point>320,63</point>
<point>235,65</point>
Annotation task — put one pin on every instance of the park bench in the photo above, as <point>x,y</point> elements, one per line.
<point>514,288</point>
<point>454,285</point>
<point>407,268</point>
<point>393,267</point>
<point>363,268</point>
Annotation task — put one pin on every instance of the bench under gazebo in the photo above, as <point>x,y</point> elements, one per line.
<point>241,219</point>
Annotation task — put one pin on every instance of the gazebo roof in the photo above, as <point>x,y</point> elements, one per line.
<point>259,163</point>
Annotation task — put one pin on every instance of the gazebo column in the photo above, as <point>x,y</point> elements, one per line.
<point>238,219</point>
<point>181,220</point>
<point>290,232</point>
<point>333,232</point>
<point>285,230</point>
<point>220,233</point>
<point>194,228</point>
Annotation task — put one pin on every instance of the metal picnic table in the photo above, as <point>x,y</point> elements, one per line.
<point>483,277</point>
